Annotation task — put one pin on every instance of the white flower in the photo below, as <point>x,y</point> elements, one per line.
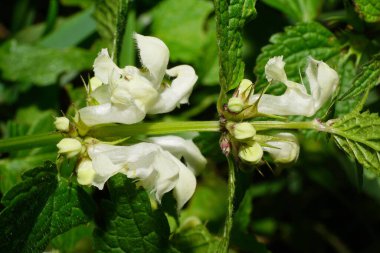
<point>69,147</point>
<point>157,165</point>
<point>128,94</point>
<point>286,151</point>
<point>323,81</point>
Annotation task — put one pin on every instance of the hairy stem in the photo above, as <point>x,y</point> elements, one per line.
<point>223,246</point>
<point>114,131</point>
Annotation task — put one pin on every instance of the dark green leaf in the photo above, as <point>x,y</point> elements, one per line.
<point>358,135</point>
<point>129,223</point>
<point>40,208</point>
<point>296,44</point>
<point>41,66</point>
<point>369,10</point>
<point>368,77</point>
<point>230,19</point>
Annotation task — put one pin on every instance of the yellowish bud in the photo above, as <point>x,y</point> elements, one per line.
<point>69,147</point>
<point>251,154</point>
<point>85,172</point>
<point>235,104</point>
<point>243,131</point>
<point>245,88</point>
<point>62,124</point>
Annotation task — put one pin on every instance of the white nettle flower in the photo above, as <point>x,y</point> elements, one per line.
<point>323,81</point>
<point>156,164</point>
<point>285,151</point>
<point>128,94</point>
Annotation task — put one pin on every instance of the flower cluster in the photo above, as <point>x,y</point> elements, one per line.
<point>282,147</point>
<point>126,95</point>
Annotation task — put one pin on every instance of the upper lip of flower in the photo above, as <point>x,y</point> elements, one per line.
<point>128,94</point>
<point>323,81</point>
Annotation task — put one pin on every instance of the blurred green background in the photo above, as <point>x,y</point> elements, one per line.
<point>323,203</point>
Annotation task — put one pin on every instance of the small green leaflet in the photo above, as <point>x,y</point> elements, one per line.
<point>299,11</point>
<point>230,19</point>
<point>368,77</point>
<point>369,10</point>
<point>296,44</point>
<point>111,17</point>
<point>129,224</point>
<point>358,135</point>
<point>40,208</point>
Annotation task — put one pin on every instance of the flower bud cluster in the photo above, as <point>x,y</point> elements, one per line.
<point>282,147</point>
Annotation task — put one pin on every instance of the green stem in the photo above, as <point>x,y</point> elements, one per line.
<point>29,141</point>
<point>223,246</point>
<point>313,125</point>
<point>156,128</point>
<point>115,131</point>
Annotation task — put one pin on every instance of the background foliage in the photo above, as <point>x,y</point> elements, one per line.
<point>323,203</point>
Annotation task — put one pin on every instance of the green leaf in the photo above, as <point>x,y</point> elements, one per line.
<point>369,10</point>
<point>40,208</point>
<point>368,77</point>
<point>358,135</point>
<point>180,25</point>
<point>42,66</point>
<point>346,71</point>
<point>298,11</point>
<point>111,17</point>
<point>195,239</point>
<point>129,224</point>
<point>296,44</point>
<point>230,19</point>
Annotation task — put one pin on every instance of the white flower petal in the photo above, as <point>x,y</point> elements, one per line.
<point>107,113</point>
<point>101,94</point>
<point>154,56</point>
<point>286,151</point>
<point>295,101</point>
<point>274,69</point>
<point>178,92</point>
<point>185,187</point>
<point>137,91</point>
<point>167,168</point>
<point>108,160</point>
<point>180,147</point>
<point>104,68</point>
<point>323,81</point>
